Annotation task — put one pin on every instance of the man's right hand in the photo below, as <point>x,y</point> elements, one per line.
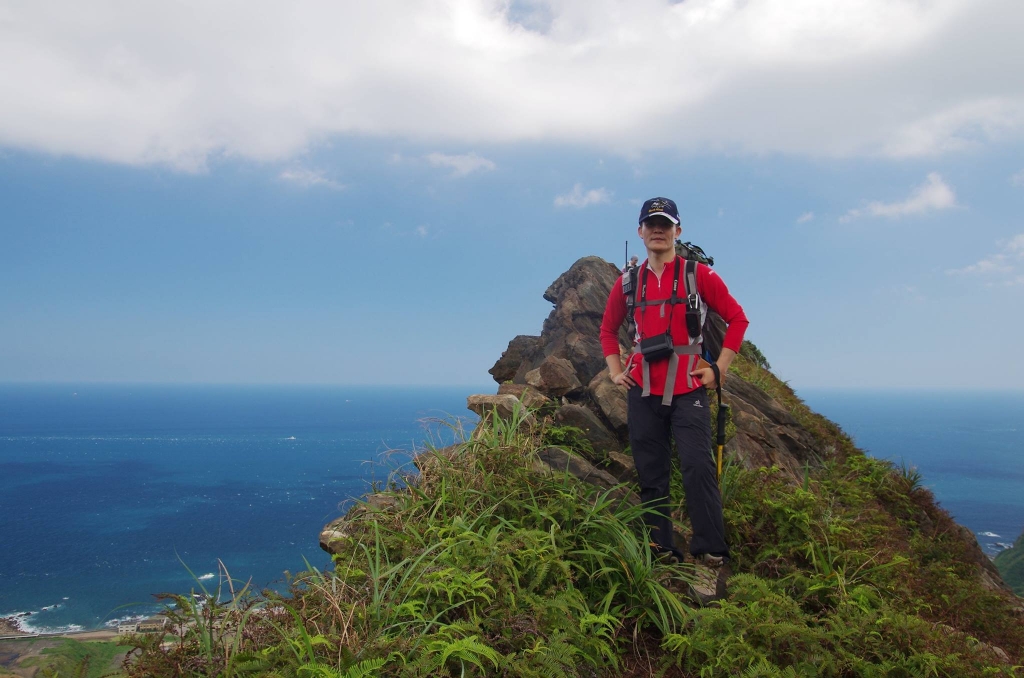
<point>623,379</point>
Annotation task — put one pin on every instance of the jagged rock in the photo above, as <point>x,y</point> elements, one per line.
<point>582,418</point>
<point>622,467</point>
<point>334,535</point>
<point>504,405</point>
<point>611,401</point>
<point>554,377</point>
<point>509,362</point>
<point>755,446</point>
<point>571,329</point>
<point>754,399</point>
<point>527,395</point>
<point>585,354</point>
<point>482,405</point>
<point>557,459</point>
<point>773,436</point>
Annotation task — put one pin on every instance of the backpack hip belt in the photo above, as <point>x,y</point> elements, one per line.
<point>690,350</point>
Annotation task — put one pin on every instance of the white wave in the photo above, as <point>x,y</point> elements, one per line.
<point>22,621</point>
<point>989,534</point>
<point>204,577</point>
<point>69,628</point>
<point>127,619</point>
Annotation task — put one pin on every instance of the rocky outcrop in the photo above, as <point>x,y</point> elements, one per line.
<point>570,331</point>
<point>554,376</point>
<point>566,365</point>
<point>766,433</point>
<point>593,428</point>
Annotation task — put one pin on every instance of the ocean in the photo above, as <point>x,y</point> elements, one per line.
<point>112,493</point>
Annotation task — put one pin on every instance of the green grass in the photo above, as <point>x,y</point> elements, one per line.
<point>1011,565</point>
<point>483,566</point>
<point>74,659</point>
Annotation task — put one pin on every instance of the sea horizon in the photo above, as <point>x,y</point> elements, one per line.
<point>114,488</point>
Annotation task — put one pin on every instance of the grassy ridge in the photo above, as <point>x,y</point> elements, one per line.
<point>1011,565</point>
<point>485,566</point>
<point>72,658</point>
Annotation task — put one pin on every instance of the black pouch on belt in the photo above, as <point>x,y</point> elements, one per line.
<point>657,348</point>
<point>693,321</point>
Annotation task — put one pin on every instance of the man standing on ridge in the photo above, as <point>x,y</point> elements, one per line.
<point>667,386</point>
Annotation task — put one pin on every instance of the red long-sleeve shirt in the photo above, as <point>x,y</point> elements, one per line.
<point>650,322</point>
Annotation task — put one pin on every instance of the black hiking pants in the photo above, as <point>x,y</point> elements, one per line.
<point>651,428</point>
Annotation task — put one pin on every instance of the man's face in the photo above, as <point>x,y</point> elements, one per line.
<point>659,234</point>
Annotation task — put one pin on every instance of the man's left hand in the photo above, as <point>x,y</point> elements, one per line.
<point>706,376</point>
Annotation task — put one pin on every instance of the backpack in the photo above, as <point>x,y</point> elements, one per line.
<point>713,329</point>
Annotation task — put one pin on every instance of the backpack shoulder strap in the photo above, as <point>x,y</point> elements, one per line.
<point>690,281</point>
<point>629,290</point>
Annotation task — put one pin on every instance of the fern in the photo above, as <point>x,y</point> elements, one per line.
<point>365,668</point>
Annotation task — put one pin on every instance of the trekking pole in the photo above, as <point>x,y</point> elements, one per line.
<point>723,411</point>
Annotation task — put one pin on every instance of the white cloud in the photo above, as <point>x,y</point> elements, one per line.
<point>933,195</point>
<point>179,83</point>
<point>1017,179</point>
<point>1004,268</point>
<point>461,165</point>
<point>805,217</point>
<point>578,197</point>
<point>309,178</point>
<point>422,231</point>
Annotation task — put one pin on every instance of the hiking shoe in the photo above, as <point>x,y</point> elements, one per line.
<point>672,555</point>
<point>709,579</point>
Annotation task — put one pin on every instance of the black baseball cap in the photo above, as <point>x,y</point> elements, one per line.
<point>660,207</point>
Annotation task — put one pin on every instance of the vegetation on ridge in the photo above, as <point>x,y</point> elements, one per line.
<point>75,658</point>
<point>485,566</point>
<point>1011,565</point>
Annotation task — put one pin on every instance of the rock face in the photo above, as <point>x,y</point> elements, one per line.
<point>570,332</point>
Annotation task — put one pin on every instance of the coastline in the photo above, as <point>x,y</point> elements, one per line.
<point>10,627</point>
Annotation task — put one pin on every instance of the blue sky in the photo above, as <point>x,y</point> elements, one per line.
<point>316,195</point>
